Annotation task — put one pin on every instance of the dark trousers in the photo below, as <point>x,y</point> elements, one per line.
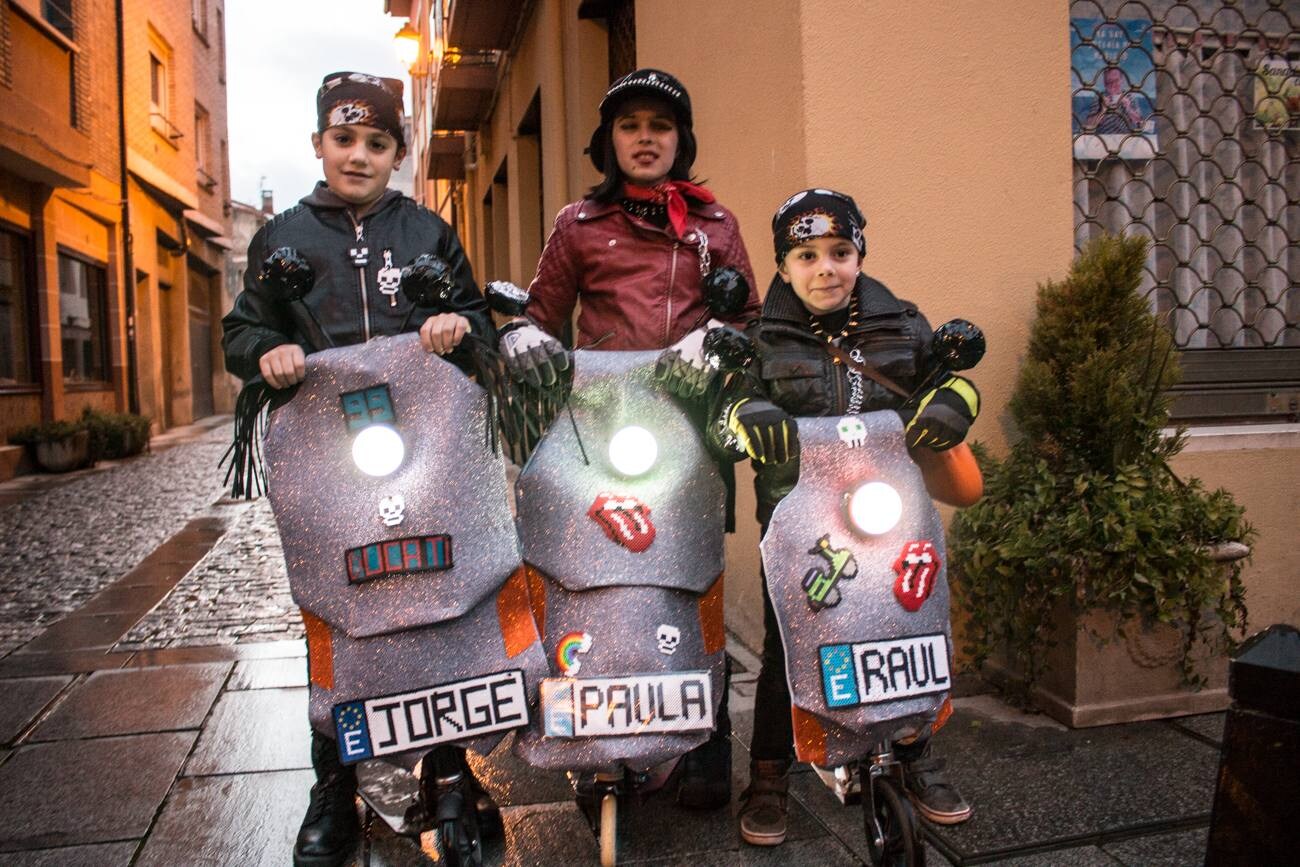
<point>773,738</point>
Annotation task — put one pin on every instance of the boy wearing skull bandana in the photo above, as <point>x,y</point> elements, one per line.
<point>831,342</point>
<point>357,235</point>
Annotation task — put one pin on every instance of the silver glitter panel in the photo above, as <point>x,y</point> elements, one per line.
<point>623,623</point>
<point>683,490</point>
<point>459,649</point>
<point>868,610</point>
<point>451,481</point>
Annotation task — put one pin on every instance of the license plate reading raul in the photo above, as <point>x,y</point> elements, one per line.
<point>634,705</point>
<point>424,717</point>
<point>870,672</point>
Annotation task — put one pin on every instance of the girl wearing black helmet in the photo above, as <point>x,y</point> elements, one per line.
<point>634,256</point>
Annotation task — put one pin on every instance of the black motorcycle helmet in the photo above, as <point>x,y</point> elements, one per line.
<point>652,83</point>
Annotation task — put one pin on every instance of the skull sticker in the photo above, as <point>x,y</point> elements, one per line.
<point>853,432</point>
<point>668,637</point>
<point>392,510</point>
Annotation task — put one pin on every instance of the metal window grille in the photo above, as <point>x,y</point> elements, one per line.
<point>1186,129</point>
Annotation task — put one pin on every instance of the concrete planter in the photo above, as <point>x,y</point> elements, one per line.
<point>61,456</point>
<point>1096,676</point>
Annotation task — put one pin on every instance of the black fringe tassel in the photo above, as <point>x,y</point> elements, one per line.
<point>245,472</point>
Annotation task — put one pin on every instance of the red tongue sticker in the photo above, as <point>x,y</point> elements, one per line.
<point>625,520</point>
<point>917,567</point>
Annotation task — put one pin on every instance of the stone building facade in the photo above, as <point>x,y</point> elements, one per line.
<point>115,116</point>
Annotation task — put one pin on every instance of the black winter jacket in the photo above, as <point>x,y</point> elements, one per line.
<point>795,371</point>
<point>346,299</point>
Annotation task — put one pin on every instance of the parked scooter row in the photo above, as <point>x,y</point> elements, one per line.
<point>590,623</point>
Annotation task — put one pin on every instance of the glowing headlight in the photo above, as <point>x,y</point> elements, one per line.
<point>874,508</point>
<point>378,450</point>
<point>633,450</point>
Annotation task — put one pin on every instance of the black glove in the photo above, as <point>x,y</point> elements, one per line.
<point>941,417</point>
<point>766,432</point>
<point>533,356</point>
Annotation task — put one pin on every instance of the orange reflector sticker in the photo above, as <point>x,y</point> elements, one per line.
<point>809,736</point>
<point>515,615</point>
<point>320,650</point>
<point>712,627</point>
<point>537,597</point>
<point>945,711</point>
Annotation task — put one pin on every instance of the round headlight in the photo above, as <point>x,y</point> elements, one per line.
<point>633,450</point>
<point>874,508</point>
<point>378,450</point>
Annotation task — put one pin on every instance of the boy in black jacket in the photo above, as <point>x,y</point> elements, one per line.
<point>356,234</point>
<point>825,328</point>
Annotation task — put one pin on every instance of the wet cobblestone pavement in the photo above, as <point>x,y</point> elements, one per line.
<point>63,545</point>
<point>237,593</point>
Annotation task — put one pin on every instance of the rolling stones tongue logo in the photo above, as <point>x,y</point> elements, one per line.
<point>917,567</point>
<point>625,520</point>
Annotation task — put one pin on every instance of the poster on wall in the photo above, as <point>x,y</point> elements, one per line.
<point>1113,81</point>
<point>1277,93</point>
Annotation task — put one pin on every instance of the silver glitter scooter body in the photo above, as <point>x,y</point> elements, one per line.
<point>625,572</point>
<point>411,583</point>
<point>863,614</point>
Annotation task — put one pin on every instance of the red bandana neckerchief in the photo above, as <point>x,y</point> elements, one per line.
<point>672,194</point>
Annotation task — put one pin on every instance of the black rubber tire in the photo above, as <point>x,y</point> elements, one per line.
<point>459,849</point>
<point>900,829</point>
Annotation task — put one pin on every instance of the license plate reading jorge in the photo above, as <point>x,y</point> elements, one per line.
<point>877,671</point>
<point>424,717</point>
<point>637,705</point>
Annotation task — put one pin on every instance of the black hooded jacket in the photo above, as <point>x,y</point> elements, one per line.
<point>794,370</point>
<point>346,299</point>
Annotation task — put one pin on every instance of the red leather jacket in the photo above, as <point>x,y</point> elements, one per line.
<point>635,281</point>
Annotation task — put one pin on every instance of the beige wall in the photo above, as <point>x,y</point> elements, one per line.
<point>951,174</point>
<point>1260,465</point>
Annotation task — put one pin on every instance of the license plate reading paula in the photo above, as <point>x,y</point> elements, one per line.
<point>634,705</point>
<point>424,717</point>
<point>870,672</point>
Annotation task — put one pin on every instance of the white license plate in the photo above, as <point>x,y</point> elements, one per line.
<point>870,672</point>
<point>421,718</point>
<point>636,705</point>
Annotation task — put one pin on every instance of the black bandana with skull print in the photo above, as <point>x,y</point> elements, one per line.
<point>817,213</point>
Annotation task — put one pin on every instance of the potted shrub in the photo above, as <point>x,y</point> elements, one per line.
<point>59,446</point>
<point>115,435</point>
<point>1098,583</point>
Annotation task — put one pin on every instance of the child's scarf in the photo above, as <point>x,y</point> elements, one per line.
<point>673,195</point>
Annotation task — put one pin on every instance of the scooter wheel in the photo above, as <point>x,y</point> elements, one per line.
<point>459,848</point>
<point>893,835</point>
<point>609,830</point>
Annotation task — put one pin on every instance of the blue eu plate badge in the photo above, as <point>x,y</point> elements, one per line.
<point>353,737</point>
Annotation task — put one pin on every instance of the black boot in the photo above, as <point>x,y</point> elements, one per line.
<point>330,828</point>
<point>706,770</point>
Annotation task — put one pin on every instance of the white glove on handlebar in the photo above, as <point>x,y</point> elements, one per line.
<point>532,355</point>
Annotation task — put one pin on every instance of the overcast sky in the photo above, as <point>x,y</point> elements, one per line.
<point>277,53</point>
